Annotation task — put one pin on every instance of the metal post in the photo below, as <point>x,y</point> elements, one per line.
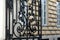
<point>40,14</point>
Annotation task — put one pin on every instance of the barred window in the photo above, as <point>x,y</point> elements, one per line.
<point>44,14</point>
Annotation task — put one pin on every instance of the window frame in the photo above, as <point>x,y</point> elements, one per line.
<point>42,6</point>
<point>57,15</point>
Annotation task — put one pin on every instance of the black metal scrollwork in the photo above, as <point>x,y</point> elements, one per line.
<point>21,26</point>
<point>28,25</point>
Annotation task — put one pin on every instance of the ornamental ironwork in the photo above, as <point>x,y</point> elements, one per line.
<point>23,20</point>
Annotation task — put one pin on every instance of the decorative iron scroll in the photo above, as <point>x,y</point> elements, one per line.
<point>24,20</point>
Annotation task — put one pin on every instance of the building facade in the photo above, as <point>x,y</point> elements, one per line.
<point>40,13</point>
<point>52,30</point>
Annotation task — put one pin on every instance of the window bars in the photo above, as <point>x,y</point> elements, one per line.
<point>23,20</point>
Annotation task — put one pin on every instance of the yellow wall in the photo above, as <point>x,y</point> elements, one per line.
<point>51,28</point>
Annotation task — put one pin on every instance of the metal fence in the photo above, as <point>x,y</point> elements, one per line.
<point>23,20</point>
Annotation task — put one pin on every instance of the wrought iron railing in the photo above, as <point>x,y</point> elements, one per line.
<point>27,24</point>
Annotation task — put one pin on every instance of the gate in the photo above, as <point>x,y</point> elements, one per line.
<point>23,20</point>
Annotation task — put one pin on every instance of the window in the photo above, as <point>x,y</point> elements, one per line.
<point>44,14</point>
<point>58,14</point>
